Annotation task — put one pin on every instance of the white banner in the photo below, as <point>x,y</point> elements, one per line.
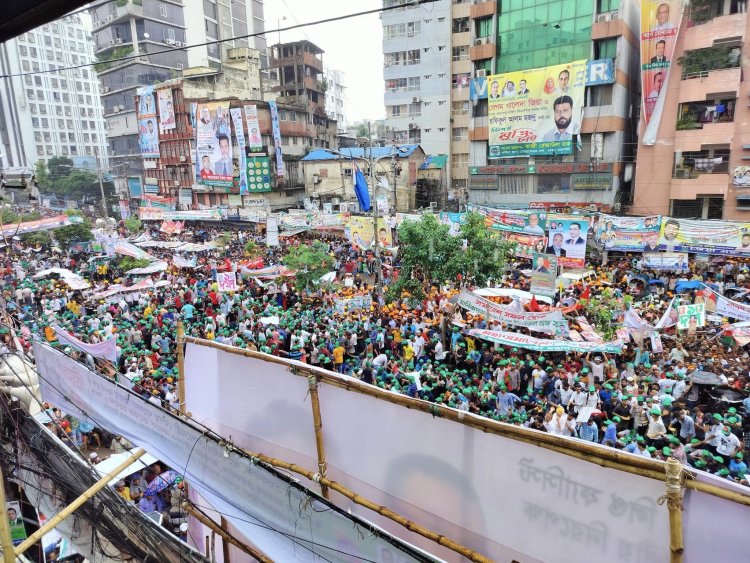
<point>106,350</point>
<point>542,345</point>
<point>540,322</point>
<point>227,281</point>
<point>728,308</point>
<point>282,520</point>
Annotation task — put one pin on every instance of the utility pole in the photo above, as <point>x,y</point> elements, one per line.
<point>378,267</point>
<point>9,555</point>
<point>101,185</point>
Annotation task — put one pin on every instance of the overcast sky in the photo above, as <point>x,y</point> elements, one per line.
<point>354,46</point>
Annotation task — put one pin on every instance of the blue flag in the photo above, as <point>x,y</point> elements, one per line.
<point>360,188</point>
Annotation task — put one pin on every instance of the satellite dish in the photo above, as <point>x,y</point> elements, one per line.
<point>146,36</point>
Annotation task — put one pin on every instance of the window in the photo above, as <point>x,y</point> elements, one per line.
<point>413,83</point>
<point>460,53</point>
<point>604,6</point>
<point>441,129</point>
<point>461,80</point>
<point>605,48</point>
<point>460,107</point>
<point>600,95</point>
<point>400,30</point>
<point>460,160</point>
<point>427,76</point>
<point>460,25</point>
<point>484,27</point>
<point>40,150</point>
<point>441,102</point>
<point>22,50</point>
<point>460,133</point>
<point>163,10</point>
<point>415,110</point>
<point>394,111</point>
<point>37,136</point>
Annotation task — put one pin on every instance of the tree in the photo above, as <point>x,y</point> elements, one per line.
<point>59,167</point>
<point>40,238</point>
<point>77,232</point>
<point>77,183</point>
<point>42,175</point>
<point>428,252</point>
<point>126,263</point>
<point>252,249</point>
<point>486,254</point>
<point>362,130</point>
<point>133,224</point>
<point>310,261</point>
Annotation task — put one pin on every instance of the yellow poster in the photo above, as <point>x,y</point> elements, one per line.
<point>536,111</point>
<point>360,232</point>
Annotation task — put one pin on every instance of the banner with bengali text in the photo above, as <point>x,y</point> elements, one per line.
<point>726,238</point>
<point>148,132</point>
<point>541,345</point>
<point>214,165</point>
<point>541,322</point>
<point>627,234</point>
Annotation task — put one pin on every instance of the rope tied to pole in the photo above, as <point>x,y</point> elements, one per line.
<point>675,483</point>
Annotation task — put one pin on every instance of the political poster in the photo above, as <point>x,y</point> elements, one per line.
<point>453,220</point>
<point>726,238</point>
<point>670,261</point>
<point>566,236</point>
<point>258,174</point>
<point>276,133</point>
<point>355,303</point>
<point>148,132</point>
<point>227,281</point>
<point>166,110</point>
<point>239,133</point>
<point>548,321</point>
<point>15,521</point>
<point>254,139</point>
<point>536,111</point>
<point>531,222</point>
<point>660,23</point>
<point>526,245</point>
<point>360,232</point>
<point>213,158</point>
<point>741,176</point>
<point>544,274</point>
<point>627,234</point>
<point>691,317</point>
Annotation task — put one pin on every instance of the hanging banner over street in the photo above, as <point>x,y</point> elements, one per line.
<point>166,110</point>
<point>536,111</point>
<point>148,133</point>
<point>106,350</point>
<point>544,274</point>
<point>660,23</point>
<point>727,238</point>
<point>566,235</point>
<point>239,133</point>
<point>254,139</point>
<point>628,234</point>
<point>541,322</point>
<point>541,345</point>
<point>34,226</point>
<point>276,132</point>
<point>213,149</point>
<point>673,261</point>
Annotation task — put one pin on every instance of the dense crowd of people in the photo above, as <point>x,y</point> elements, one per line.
<point>643,401</point>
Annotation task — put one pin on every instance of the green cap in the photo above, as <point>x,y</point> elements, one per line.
<point>666,451</point>
<point>655,410</point>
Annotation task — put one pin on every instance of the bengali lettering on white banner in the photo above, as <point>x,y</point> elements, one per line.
<point>271,506</point>
<point>214,165</point>
<point>541,322</point>
<point>726,238</point>
<point>227,281</point>
<point>543,345</point>
<point>627,234</point>
<point>239,132</point>
<point>727,307</point>
<point>106,350</point>
<point>673,261</point>
<point>536,111</point>
<point>254,139</point>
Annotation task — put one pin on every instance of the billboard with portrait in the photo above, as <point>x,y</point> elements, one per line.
<point>567,236</point>
<point>166,110</point>
<point>276,133</point>
<point>741,176</point>
<point>254,139</point>
<point>544,274</point>
<point>727,238</point>
<point>536,111</point>
<point>660,23</point>
<point>627,234</point>
<point>148,131</point>
<point>213,163</point>
<point>360,232</point>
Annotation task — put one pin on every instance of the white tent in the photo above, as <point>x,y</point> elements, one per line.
<point>114,460</point>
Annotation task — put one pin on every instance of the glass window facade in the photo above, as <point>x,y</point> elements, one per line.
<point>539,33</point>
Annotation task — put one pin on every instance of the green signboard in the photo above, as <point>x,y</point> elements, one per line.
<point>258,174</point>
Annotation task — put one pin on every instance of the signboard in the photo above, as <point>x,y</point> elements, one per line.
<point>135,187</point>
<point>258,174</point>
<point>727,238</point>
<point>166,110</point>
<point>741,176</point>
<point>483,182</point>
<point>691,317</point>
<point>15,521</point>
<point>148,133</point>
<point>158,214</point>
<point>536,111</point>
<point>272,231</point>
<point>213,151</point>
<point>185,196</point>
<point>660,22</point>
<point>544,274</point>
<point>276,132</point>
<point>360,232</point>
<point>673,261</point>
<point>590,181</point>
<point>254,139</point>
<point>566,235</point>
<point>627,234</point>
<point>239,133</point>
<point>227,281</point>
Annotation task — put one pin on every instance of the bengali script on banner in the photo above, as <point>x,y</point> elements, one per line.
<point>726,238</point>
<point>627,234</point>
<point>148,133</point>
<point>213,159</point>
<point>536,111</point>
<point>660,24</point>
<point>552,322</point>
<point>541,345</point>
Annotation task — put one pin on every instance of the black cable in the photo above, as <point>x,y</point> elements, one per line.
<point>413,3</point>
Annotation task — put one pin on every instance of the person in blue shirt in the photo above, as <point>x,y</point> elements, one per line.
<point>506,401</point>
<point>188,311</point>
<point>737,465</point>
<point>589,431</point>
<point>610,434</point>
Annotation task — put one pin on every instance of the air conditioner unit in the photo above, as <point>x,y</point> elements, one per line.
<point>122,108</point>
<point>614,16</point>
<point>105,89</point>
<point>335,201</point>
<point>115,109</point>
<point>411,126</point>
<point>176,182</point>
<point>484,40</point>
<point>169,41</point>
<point>416,100</point>
<point>118,41</point>
<point>478,42</point>
<point>481,73</point>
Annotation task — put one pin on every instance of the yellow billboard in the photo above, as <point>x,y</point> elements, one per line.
<point>536,111</point>
<point>360,232</point>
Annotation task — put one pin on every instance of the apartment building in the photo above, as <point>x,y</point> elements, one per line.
<point>46,112</point>
<point>334,82</point>
<point>506,37</point>
<point>698,163</point>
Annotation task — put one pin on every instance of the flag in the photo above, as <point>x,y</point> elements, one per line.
<point>670,315</point>
<point>360,188</point>
<point>534,305</point>
<point>586,293</point>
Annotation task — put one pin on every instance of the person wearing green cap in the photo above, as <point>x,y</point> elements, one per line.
<point>656,429</point>
<point>728,443</point>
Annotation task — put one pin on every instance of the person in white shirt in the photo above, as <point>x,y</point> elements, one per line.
<point>728,443</point>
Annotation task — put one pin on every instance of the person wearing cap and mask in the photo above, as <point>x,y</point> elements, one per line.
<point>656,429</point>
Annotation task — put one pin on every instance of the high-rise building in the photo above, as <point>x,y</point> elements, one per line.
<point>48,112</point>
<point>417,73</point>
<point>334,84</point>
<point>697,164</point>
<point>154,33</point>
<point>512,36</point>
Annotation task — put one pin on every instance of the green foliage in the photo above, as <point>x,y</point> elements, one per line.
<point>42,176</point>
<point>688,121</point>
<point>310,261</point>
<point>223,240</point>
<point>59,166</point>
<point>362,130</point>
<point>702,11</point>
<point>126,263</point>
<point>709,58</point>
<point>252,249</point>
<point>8,216</point>
<point>121,3</point>
<point>133,224</point>
<point>603,310</point>
<point>78,232</point>
<point>103,60</point>
<point>40,238</point>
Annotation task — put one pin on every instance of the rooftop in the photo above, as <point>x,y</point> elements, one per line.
<point>402,151</point>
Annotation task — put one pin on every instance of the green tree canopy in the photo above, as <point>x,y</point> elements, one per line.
<point>310,261</point>
<point>77,232</point>
<point>133,224</point>
<point>59,167</point>
<point>41,175</point>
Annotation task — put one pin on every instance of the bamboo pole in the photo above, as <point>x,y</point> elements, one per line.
<point>77,503</point>
<point>673,473</point>
<point>224,543</point>
<point>9,555</point>
<point>181,366</point>
<point>711,489</point>
<point>318,425</point>
<point>382,510</point>
<point>228,538</point>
